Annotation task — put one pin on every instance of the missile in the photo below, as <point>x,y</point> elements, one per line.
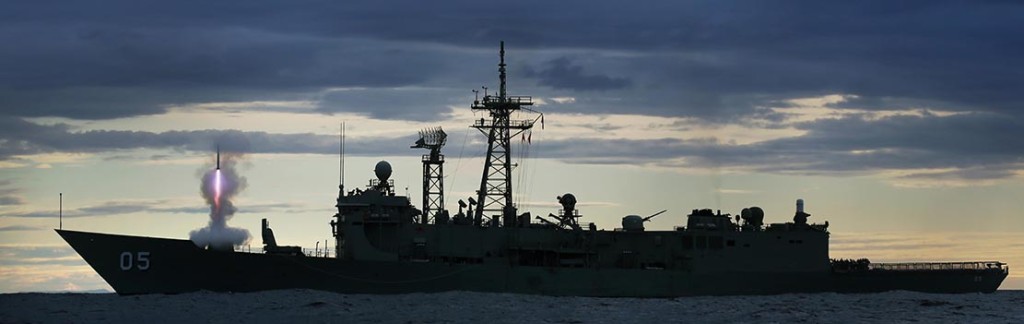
<point>218,157</point>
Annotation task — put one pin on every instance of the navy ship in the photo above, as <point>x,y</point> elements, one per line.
<point>386,245</point>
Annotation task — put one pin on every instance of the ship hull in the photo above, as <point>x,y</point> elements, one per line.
<point>953,281</point>
<point>141,265</point>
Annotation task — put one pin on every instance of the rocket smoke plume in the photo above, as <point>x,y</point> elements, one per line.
<point>218,187</point>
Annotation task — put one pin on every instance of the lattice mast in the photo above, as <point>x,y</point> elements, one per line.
<point>433,172</point>
<point>495,195</point>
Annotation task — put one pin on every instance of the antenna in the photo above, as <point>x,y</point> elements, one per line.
<point>60,213</point>
<point>501,72</point>
<point>341,162</point>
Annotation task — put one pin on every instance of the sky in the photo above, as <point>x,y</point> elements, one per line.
<point>899,122</point>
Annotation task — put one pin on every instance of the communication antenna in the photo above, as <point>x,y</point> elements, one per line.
<point>60,213</point>
<point>341,161</point>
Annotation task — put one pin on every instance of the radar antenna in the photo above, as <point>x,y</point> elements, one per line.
<point>495,193</point>
<point>432,139</point>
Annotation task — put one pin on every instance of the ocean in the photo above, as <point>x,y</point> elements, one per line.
<point>307,306</point>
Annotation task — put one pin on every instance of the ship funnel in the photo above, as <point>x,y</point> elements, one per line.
<point>268,235</point>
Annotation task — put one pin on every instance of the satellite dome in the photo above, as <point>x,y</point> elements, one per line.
<point>382,170</point>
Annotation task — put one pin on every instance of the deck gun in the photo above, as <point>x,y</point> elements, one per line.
<point>635,223</point>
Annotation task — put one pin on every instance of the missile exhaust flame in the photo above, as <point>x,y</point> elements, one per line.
<point>218,187</point>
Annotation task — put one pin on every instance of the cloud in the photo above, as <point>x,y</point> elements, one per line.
<point>715,61</point>
<point>8,196</point>
<point>734,191</point>
<point>420,104</point>
<point>711,59</point>
<point>854,143</point>
<point>561,73</point>
<point>11,200</point>
<point>140,70</point>
<point>21,137</point>
<point>111,208</point>
<point>973,173</point>
<point>17,228</point>
<point>967,147</point>
<point>35,253</point>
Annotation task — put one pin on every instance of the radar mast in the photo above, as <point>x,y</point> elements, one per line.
<point>432,139</point>
<point>495,194</point>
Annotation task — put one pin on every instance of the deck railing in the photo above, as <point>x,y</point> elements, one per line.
<point>312,253</point>
<point>924,266</point>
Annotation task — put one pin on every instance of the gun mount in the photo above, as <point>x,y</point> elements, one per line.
<point>635,223</point>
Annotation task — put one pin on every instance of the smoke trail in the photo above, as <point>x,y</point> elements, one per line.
<point>218,187</point>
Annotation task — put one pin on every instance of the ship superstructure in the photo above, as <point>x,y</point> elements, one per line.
<point>384,244</point>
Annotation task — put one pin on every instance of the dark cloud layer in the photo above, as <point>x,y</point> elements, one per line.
<point>561,73</point>
<point>959,144</point>
<point>420,104</point>
<point>20,137</point>
<point>719,61</point>
<point>962,143</point>
<point>97,71</point>
<point>695,58</point>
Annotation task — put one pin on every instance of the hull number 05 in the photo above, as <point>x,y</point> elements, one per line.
<point>138,260</point>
